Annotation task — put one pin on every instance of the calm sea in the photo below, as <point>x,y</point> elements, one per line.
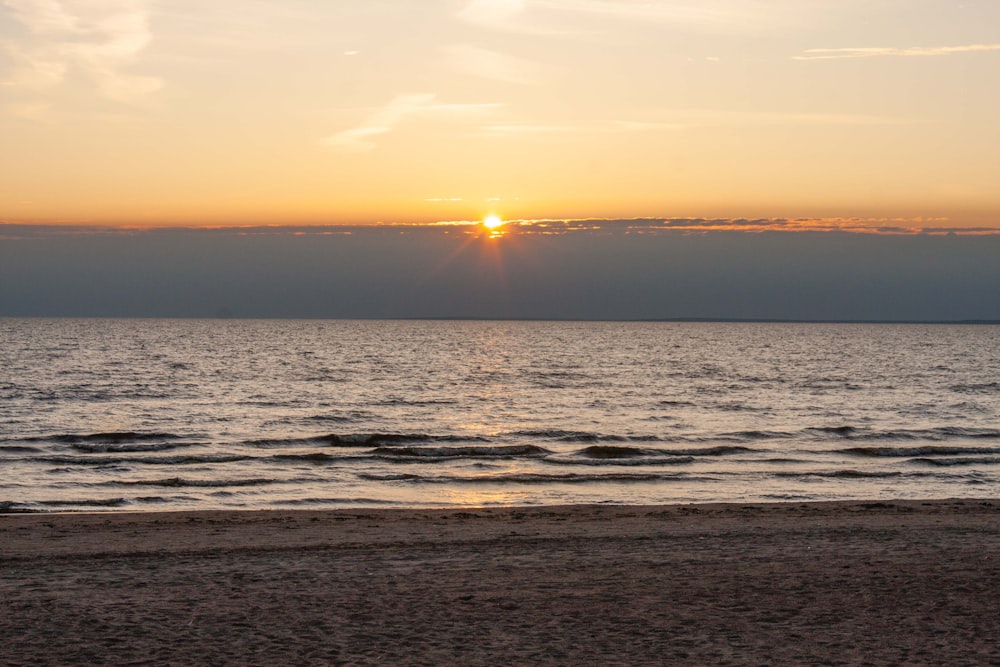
<point>200,414</point>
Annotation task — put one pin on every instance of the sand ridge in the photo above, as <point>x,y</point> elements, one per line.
<point>912,582</point>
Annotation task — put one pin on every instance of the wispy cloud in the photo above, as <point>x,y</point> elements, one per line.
<point>492,64</point>
<point>527,16</point>
<point>881,52</point>
<point>386,118</point>
<point>599,127</point>
<point>719,117</point>
<point>98,39</point>
<point>492,13</point>
<point>684,119</point>
<point>382,121</point>
<point>712,15</point>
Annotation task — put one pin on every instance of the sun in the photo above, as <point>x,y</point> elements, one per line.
<point>492,222</point>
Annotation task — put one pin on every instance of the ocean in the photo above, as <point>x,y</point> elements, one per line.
<point>144,415</point>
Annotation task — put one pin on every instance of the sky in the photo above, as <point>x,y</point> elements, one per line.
<point>186,113</point>
<point>650,159</point>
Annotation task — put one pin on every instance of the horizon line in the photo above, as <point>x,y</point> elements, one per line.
<point>443,318</point>
<point>883,226</point>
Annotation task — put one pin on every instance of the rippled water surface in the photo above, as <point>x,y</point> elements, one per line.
<point>198,414</point>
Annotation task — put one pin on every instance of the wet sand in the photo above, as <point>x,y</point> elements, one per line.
<point>903,582</point>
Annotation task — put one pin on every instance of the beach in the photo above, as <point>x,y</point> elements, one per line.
<point>888,582</point>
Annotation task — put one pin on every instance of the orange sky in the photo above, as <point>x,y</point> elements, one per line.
<point>180,112</point>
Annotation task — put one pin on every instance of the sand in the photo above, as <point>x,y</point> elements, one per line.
<point>906,582</point>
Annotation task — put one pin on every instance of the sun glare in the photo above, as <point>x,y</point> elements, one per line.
<point>492,222</point>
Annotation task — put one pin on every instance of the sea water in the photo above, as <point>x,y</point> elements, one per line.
<point>252,414</point>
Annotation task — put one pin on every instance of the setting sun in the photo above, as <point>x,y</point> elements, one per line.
<point>492,222</point>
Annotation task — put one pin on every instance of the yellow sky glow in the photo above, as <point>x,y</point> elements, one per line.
<point>181,112</point>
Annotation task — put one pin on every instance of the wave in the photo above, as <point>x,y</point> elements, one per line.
<point>361,440</point>
<point>312,457</point>
<point>842,431</point>
<point>977,388</point>
<point>672,460</point>
<point>612,452</point>
<point>150,460</point>
<point>581,436</point>
<point>14,507</point>
<point>932,434</point>
<point>848,474</point>
<point>984,460</point>
<point>441,453</point>
<point>618,452</point>
<point>430,401</point>
<point>759,435</point>
<point>180,482</point>
<point>588,436</point>
<point>112,448</point>
<point>904,452</point>
<point>393,477</point>
<point>544,478</point>
<point>296,502</point>
<point>99,502</point>
<point>14,449</point>
<point>112,437</point>
<point>568,436</point>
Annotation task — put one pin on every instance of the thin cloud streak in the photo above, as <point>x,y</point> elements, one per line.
<point>605,127</point>
<point>717,15</point>
<point>98,39</point>
<point>721,16</point>
<point>881,52</point>
<point>493,65</point>
<point>491,13</point>
<point>675,120</point>
<point>385,119</point>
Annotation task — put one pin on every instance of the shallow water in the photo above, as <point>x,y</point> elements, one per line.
<point>200,414</point>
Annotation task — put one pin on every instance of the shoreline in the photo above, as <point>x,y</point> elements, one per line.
<point>841,582</point>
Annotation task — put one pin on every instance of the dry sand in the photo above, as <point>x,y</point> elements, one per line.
<point>828,583</point>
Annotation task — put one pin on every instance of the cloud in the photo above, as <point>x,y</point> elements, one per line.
<point>681,119</point>
<point>99,39</point>
<point>492,64</point>
<point>381,122</point>
<point>599,127</point>
<point>711,15</point>
<point>385,119</point>
<point>527,16</point>
<point>789,118</point>
<point>881,52</point>
<point>492,13</point>
<point>654,226</point>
